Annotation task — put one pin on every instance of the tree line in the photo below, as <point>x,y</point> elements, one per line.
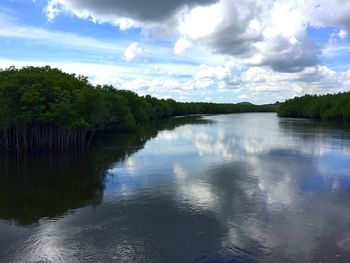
<point>326,107</point>
<point>43,108</point>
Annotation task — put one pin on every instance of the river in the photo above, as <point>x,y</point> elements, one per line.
<point>246,187</point>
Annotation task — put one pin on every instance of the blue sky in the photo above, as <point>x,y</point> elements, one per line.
<point>189,50</point>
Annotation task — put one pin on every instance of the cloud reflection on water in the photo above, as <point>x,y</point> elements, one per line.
<point>264,182</point>
<point>249,186</point>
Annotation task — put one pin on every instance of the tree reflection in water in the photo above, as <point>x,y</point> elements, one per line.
<point>34,186</point>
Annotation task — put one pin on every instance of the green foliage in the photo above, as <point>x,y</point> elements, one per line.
<point>45,108</point>
<point>326,107</point>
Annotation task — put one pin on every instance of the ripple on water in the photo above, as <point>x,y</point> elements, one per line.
<point>344,244</point>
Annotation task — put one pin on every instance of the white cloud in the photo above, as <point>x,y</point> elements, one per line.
<point>181,45</point>
<point>227,76</point>
<point>251,81</point>
<point>261,33</point>
<point>343,34</point>
<point>241,49</point>
<point>196,24</point>
<point>52,10</point>
<point>335,37</point>
<point>329,13</point>
<point>133,52</point>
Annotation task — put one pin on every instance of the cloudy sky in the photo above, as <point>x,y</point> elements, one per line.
<point>190,50</point>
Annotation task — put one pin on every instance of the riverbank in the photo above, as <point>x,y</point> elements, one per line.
<point>334,107</point>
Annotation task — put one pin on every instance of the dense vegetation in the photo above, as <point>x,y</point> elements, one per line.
<point>326,107</point>
<point>43,108</point>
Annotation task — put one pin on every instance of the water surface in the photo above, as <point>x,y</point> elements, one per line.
<point>228,188</point>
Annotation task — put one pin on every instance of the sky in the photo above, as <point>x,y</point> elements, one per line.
<point>261,51</point>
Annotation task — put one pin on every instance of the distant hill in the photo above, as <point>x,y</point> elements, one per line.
<point>245,103</point>
<point>273,105</point>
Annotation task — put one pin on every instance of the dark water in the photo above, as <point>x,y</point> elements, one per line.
<point>229,188</point>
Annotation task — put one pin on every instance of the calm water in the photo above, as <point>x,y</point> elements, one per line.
<point>228,188</point>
